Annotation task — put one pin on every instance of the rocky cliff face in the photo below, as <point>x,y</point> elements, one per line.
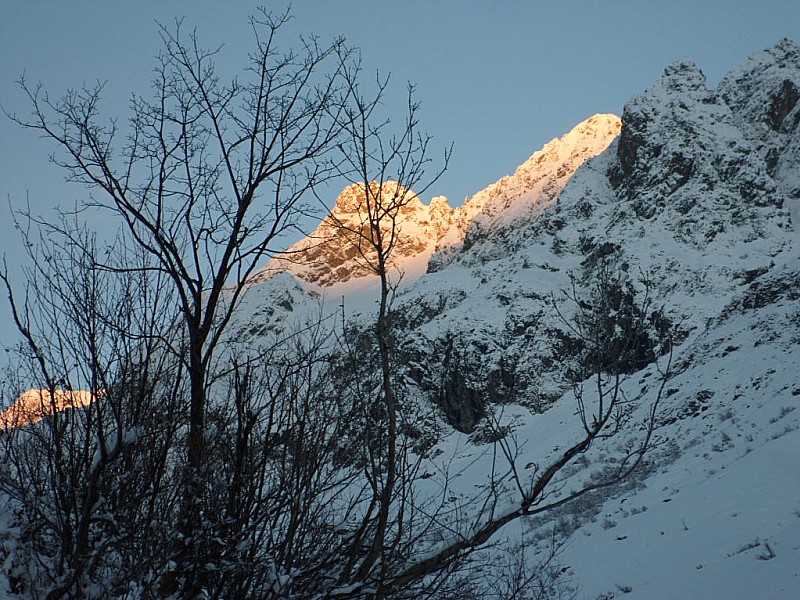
<point>689,195</point>
<point>701,156</point>
<point>764,97</point>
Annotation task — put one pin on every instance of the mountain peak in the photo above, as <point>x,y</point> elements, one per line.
<point>684,75</point>
<point>784,49</point>
<point>766,88</point>
<point>351,205</point>
<point>785,54</point>
<point>336,251</point>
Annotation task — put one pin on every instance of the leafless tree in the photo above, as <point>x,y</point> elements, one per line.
<point>390,167</point>
<point>89,484</point>
<point>207,180</point>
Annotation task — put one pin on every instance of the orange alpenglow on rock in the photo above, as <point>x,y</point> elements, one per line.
<point>35,405</point>
<point>339,251</point>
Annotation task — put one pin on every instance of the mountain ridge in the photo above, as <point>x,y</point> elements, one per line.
<point>695,206</point>
<point>328,256</point>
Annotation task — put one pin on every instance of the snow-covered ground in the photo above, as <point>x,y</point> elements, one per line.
<point>720,515</point>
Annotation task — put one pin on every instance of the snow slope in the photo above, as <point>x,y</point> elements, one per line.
<point>697,201</point>
<point>720,516</point>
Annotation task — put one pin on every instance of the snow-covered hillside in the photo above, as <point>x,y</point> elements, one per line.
<point>696,204</point>
<point>684,216</point>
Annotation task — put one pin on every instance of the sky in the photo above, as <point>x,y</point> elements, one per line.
<point>496,79</point>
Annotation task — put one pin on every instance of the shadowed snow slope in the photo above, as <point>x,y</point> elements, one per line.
<point>695,199</point>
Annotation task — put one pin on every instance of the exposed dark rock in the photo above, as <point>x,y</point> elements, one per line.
<point>782,104</point>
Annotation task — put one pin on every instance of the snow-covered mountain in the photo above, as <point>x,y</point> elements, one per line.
<point>684,215</point>
<point>332,254</point>
<point>694,199</point>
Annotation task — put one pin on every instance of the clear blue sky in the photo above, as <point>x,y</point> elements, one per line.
<point>498,79</point>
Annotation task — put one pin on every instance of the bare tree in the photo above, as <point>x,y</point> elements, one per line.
<point>208,179</point>
<point>389,168</point>
<point>83,488</point>
<point>98,489</point>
